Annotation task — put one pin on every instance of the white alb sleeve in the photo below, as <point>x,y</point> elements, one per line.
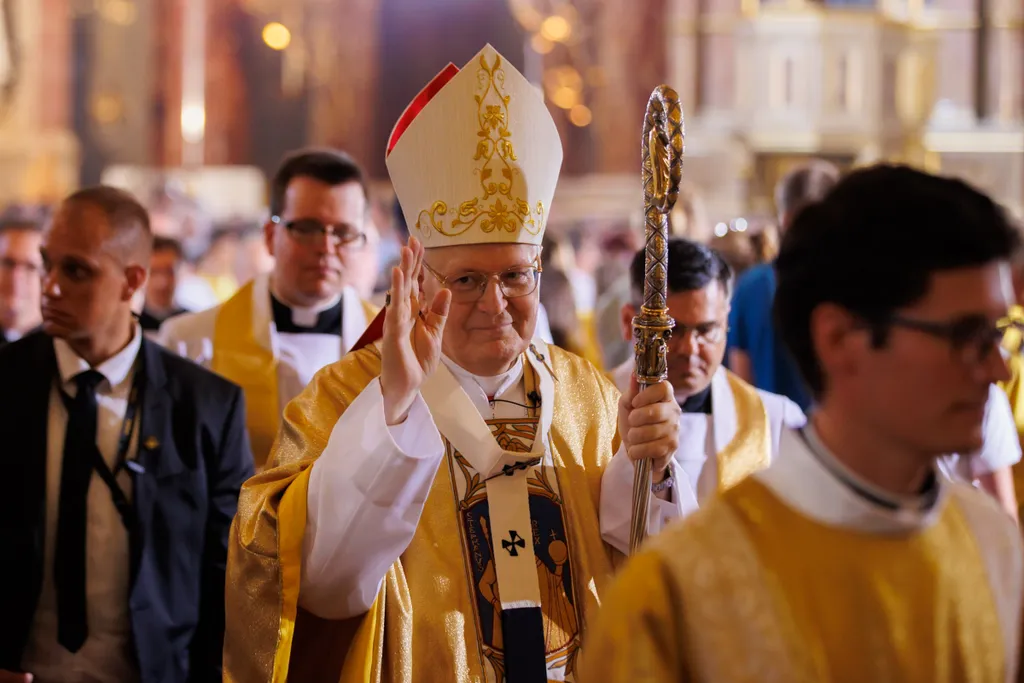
<point>366,494</point>
<point>617,502</point>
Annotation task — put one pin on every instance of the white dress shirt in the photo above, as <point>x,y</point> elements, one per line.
<point>106,655</point>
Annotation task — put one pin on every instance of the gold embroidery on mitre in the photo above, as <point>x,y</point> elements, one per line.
<point>505,211</point>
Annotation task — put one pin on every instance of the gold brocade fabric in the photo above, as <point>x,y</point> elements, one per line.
<point>750,449</point>
<point>239,357</point>
<point>749,590</point>
<point>427,592</point>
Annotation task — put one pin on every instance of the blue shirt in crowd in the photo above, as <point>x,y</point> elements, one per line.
<point>752,330</point>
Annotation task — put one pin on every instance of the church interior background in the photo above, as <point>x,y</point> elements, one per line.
<point>204,96</point>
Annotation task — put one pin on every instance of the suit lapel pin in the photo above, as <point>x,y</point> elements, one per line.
<point>151,443</point>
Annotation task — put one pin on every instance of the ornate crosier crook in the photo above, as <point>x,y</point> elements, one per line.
<point>662,156</point>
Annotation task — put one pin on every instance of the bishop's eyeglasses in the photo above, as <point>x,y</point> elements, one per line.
<point>311,232</point>
<point>470,287</point>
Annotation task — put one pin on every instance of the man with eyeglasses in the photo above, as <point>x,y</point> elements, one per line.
<point>279,329</point>
<point>728,429</point>
<point>433,512</point>
<point>20,272</point>
<point>851,558</point>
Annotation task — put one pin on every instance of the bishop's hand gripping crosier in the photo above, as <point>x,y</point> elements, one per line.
<point>662,157</point>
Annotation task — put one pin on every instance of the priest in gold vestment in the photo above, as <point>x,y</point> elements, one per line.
<point>850,559</point>
<point>431,512</point>
<point>275,332</point>
<point>728,429</point>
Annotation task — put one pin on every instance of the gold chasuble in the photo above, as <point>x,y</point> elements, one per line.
<point>792,577</point>
<point>238,355</point>
<point>436,616</point>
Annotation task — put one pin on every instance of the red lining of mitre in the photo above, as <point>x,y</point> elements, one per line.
<point>375,330</point>
<point>420,101</point>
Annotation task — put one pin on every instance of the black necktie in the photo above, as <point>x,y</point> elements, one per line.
<point>76,473</point>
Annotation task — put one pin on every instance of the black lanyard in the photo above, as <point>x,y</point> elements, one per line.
<point>128,427</point>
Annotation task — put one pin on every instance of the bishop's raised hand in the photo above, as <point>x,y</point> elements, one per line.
<point>411,348</point>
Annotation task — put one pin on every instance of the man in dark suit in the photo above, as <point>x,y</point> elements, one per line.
<point>122,465</point>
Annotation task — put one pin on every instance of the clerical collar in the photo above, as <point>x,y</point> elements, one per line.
<point>152,319</point>
<point>324,319</point>
<point>922,500</point>
<point>698,403</point>
<point>807,477</point>
<point>491,387</point>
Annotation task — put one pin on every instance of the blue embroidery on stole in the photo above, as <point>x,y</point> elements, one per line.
<point>550,545</point>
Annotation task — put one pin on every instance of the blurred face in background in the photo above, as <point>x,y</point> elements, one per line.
<point>163,280</point>
<point>20,270</point>
<point>315,239</point>
<point>697,345</point>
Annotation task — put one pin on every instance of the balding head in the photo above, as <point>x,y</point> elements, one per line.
<point>131,237</point>
<point>96,253</point>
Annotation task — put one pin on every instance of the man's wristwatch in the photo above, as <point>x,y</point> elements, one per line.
<point>665,484</point>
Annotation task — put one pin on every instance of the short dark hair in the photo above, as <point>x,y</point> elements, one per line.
<point>168,244</point>
<point>120,207</point>
<point>803,186</point>
<point>691,266</point>
<point>128,219</point>
<point>871,247</point>
<point>326,165</point>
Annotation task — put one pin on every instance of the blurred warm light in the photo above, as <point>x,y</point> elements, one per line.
<point>740,225</point>
<point>580,115</point>
<point>526,14</point>
<point>556,28</point>
<point>565,98</point>
<point>596,76</point>
<point>276,35</point>
<point>120,12</point>
<point>107,108</point>
<point>193,123</point>
<point>721,230</point>
<point>540,44</point>
<point>563,77</point>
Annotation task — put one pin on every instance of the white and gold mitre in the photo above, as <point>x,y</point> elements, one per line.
<point>474,159</point>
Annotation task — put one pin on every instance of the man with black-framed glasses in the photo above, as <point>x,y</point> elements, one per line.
<point>273,335</point>
<point>851,558</point>
<point>728,429</point>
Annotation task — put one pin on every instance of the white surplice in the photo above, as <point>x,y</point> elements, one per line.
<point>694,466</point>
<point>368,488</point>
<point>299,356</point>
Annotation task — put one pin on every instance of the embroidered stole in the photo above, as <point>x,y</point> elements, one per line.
<point>241,358</point>
<point>512,530</point>
<point>751,448</point>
